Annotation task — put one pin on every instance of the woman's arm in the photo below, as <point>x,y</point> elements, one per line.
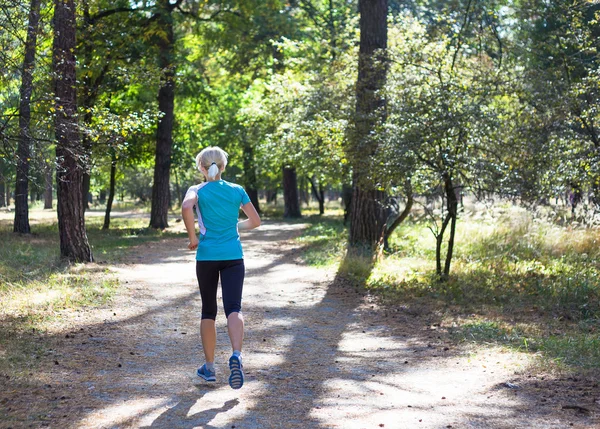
<point>253,220</point>
<point>187,212</point>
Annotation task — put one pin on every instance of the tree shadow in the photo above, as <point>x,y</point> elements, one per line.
<point>307,360</point>
<point>179,417</point>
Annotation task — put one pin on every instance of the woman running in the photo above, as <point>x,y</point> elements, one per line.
<point>219,254</point>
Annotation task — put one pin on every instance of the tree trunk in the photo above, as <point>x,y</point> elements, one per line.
<point>367,218</point>
<point>321,199</point>
<point>407,208</point>
<point>111,191</point>
<point>164,132</point>
<point>450,219</point>
<point>21,224</point>
<point>48,187</point>
<point>71,223</point>
<point>271,196</point>
<point>302,191</point>
<point>452,205</point>
<point>2,193</point>
<point>319,194</point>
<point>347,201</point>
<point>290,193</point>
<point>178,189</point>
<point>85,184</point>
<point>250,172</point>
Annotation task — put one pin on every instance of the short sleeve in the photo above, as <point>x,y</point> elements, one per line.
<point>245,197</point>
<point>192,192</point>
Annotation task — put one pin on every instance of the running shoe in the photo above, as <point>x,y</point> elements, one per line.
<point>206,374</point>
<point>236,379</point>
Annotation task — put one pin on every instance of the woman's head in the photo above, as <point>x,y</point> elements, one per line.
<point>211,161</point>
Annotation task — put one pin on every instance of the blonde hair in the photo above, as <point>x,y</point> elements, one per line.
<point>213,159</point>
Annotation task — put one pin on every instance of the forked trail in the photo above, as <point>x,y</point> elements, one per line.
<point>316,355</point>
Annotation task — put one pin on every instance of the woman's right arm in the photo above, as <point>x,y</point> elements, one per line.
<point>253,220</point>
<point>187,212</point>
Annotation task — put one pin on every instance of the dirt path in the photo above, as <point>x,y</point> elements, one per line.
<point>316,356</point>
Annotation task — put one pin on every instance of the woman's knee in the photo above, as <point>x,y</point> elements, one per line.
<point>233,308</point>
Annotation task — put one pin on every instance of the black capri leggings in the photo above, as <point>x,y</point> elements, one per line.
<point>232,282</point>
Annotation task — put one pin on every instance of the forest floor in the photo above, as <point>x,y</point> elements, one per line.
<point>317,354</point>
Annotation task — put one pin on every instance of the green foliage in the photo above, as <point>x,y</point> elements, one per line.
<point>519,281</point>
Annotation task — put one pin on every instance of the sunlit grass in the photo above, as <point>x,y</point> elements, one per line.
<point>323,240</point>
<point>515,280</point>
<point>37,287</point>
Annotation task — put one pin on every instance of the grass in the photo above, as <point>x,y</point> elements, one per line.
<point>37,287</point>
<point>324,240</point>
<point>516,280</point>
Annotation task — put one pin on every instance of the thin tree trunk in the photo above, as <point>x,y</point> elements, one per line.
<point>91,85</point>
<point>111,191</point>
<point>367,218</point>
<point>407,208</point>
<point>164,133</point>
<point>21,223</point>
<point>71,223</point>
<point>319,194</point>
<point>2,193</point>
<point>178,188</point>
<point>290,193</point>
<point>48,187</point>
<point>452,204</point>
<point>302,191</point>
<point>321,199</point>
<point>439,239</point>
<point>271,196</point>
<point>85,184</point>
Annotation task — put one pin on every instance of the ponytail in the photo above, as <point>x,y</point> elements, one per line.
<point>213,170</point>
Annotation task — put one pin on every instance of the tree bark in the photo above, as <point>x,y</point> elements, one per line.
<point>71,223</point>
<point>452,206</point>
<point>21,223</point>
<point>367,216</point>
<point>2,193</point>
<point>290,193</point>
<point>319,194</point>
<point>111,191</point>
<point>48,188</point>
<point>164,133</point>
<point>271,196</point>
<point>450,219</point>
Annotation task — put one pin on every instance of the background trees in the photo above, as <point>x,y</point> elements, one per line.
<point>487,97</point>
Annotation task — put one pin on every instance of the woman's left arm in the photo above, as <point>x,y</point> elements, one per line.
<point>187,212</point>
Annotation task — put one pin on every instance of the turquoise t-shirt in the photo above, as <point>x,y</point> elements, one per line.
<point>218,209</point>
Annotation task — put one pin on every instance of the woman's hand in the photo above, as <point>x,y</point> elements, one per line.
<point>193,244</point>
